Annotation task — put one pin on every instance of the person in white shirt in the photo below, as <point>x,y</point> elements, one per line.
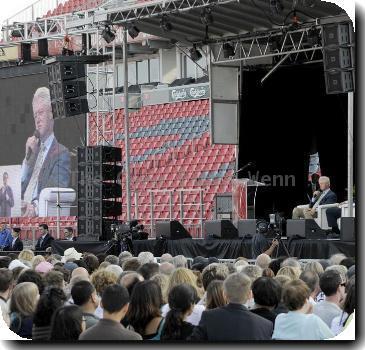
<point>333,286</point>
<point>299,323</point>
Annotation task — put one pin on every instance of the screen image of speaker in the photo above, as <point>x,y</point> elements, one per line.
<point>220,229</point>
<point>305,228</point>
<point>171,230</point>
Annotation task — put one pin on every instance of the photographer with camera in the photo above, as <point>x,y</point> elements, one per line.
<point>260,243</point>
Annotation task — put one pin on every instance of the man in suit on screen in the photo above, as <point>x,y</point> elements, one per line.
<point>6,198</point>
<point>47,163</point>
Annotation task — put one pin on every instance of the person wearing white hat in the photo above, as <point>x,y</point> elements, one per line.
<point>71,254</point>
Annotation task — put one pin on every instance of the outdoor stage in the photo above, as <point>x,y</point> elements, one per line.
<point>220,248</point>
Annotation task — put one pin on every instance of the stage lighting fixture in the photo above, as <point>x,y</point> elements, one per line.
<point>228,50</point>
<point>314,37</point>
<point>133,31</point>
<point>165,25</point>
<point>206,16</point>
<point>276,7</point>
<point>195,54</point>
<point>108,35</point>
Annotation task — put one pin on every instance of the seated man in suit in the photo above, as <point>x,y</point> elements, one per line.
<point>45,240</point>
<point>233,322</point>
<point>322,197</point>
<point>17,244</point>
<point>69,234</point>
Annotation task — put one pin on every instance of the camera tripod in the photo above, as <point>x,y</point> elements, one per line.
<point>282,245</point>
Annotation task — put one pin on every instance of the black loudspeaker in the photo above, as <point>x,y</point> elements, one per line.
<point>307,228</point>
<point>26,52</point>
<point>246,228</point>
<point>338,82</point>
<point>99,208</point>
<point>220,229</point>
<point>106,154</point>
<point>347,233</point>
<point>43,47</point>
<point>171,230</point>
<point>67,85</point>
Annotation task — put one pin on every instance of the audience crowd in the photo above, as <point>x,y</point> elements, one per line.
<point>83,297</point>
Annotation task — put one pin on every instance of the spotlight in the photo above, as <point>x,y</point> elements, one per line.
<point>276,7</point>
<point>206,16</point>
<point>314,37</point>
<point>133,31</point>
<point>228,50</point>
<point>165,25</point>
<point>108,35</point>
<point>195,54</point>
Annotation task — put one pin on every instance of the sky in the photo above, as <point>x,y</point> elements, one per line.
<point>12,7</point>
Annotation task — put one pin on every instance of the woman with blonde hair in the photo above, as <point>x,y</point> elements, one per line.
<point>314,266</point>
<point>215,295</point>
<point>26,256</point>
<point>23,303</point>
<point>163,281</point>
<point>179,276</point>
<point>289,271</point>
<point>36,260</point>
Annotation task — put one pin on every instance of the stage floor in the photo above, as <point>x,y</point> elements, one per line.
<point>220,248</point>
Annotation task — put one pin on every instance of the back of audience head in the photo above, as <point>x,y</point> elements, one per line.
<point>26,256</point>
<point>167,268</point>
<point>266,292</point>
<point>17,272</point>
<point>181,301</point>
<point>268,273</point>
<point>331,283</point>
<point>181,275</point>
<point>101,257</point>
<point>145,305</point>
<point>67,323</point>
<point>145,258</point>
<point>54,279</point>
<point>237,288</point>
<point>336,259</point>
<point>51,299</point>
<point>180,261</point>
<point>263,261</point>
<point>295,295</point>
<point>6,280</point>
<point>350,300</point>
<point>80,271</point>
<point>92,263</point>
<point>314,266</point>
<point>130,279</point>
<point>83,293</point>
<point>102,279</point>
<point>289,271</point>
<point>36,260</point>
<point>215,295</point>
<point>148,270</point>
<point>123,256</point>
<point>283,280</point>
<point>112,259</point>
<point>293,262</point>
<point>276,264</point>
<point>252,271</point>
<point>325,263</point>
<point>214,272</point>
<point>32,276</point>
<point>104,265</point>
<point>351,271</point>
<point>163,281</point>
<point>340,268</point>
<point>348,262</point>
<point>24,299</point>
<point>131,264</point>
<point>5,261</point>
<point>311,279</point>
<point>116,269</point>
<point>115,301</point>
<point>166,258</point>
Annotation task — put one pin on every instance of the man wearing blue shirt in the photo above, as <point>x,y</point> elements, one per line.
<point>5,236</point>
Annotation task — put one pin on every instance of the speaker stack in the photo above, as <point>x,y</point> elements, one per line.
<point>338,57</point>
<point>67,85</point>
<point>304,228</point>
<point>99,191</point>
<point>171,230</point>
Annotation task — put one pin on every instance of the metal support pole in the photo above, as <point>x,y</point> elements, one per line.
<point>126,124</point>
<point>152,226</point>
<point>201,213</point>
<point>181,207</point>
<point>113,95</point>
<point>350,153</point>
<point>170,205</point>
<point>58,214</point>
